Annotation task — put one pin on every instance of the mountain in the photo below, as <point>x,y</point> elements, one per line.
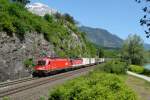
<point>147,46</point>
<point>102,37</point>
<point>40,9</point>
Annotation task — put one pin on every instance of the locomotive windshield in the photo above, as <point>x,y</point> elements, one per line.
<point>41,63</point>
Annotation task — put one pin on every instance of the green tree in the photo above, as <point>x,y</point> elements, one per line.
<point>100,52</point>
<point>48,17</point>
<point>69,18</point>
<point>144,21</point>
<point>24,2</point>
<point>133,50</point>
<point>58,15</point>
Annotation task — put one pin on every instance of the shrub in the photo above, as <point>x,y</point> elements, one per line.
<point>42,98</point>
<point>146,72</point>
<point>6,98</point>
<point>95,86</point>
<point>136,69</point>
<point>6,23</point>
<point>116,67</point>
<point>21,28</point>
<point>29,63</point>
<point>48,17</point>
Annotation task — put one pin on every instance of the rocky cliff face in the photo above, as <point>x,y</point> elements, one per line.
<point>14,52</point>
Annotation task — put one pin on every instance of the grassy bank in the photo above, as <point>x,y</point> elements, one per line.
<point>97,85</point>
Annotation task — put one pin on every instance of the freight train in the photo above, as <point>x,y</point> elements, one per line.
<point>47,65</point>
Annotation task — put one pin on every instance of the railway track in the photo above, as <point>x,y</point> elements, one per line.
<point>41,81</point>
<point>6,84</point>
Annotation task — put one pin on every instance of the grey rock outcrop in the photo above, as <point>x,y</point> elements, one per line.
<point>14,52</point>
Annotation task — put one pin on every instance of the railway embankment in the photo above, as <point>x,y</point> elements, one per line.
<point>36,88</point>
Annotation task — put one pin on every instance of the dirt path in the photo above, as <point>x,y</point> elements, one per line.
<point>139,75</point>
<point>140,86</point>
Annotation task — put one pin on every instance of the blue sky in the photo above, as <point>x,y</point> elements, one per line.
<point>120,17</point>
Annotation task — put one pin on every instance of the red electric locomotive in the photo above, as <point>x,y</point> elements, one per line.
<point>46,65</point>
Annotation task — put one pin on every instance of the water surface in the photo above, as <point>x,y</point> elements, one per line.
<point>147,66</point>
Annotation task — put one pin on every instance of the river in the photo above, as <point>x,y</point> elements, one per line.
<point>147,66</point>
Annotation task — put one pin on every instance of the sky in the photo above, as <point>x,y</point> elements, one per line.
<point>119,17</point>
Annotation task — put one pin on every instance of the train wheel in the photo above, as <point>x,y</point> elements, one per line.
<point>34,74</point>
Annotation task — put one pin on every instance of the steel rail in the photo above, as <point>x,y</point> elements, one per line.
<point>5,84</point>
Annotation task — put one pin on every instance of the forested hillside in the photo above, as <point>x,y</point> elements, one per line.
<point>24,37</point>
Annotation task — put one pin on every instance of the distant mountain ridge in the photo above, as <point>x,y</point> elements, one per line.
<point>104,38</point>
<point>147,46</point>
<point>100,37</point>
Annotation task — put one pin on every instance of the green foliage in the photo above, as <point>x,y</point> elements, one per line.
<point>133,50</point>
<point>14,18</point>
<point>116,67</point>
<point>147,57</point>
<point>146,72</point>
<point>136,69</point>
<point>144,21</point>
<point>24,2</point>
<point>69,18</point>
<point>92,49</point>
<point>100,53</point>
<point>6,23</point>
<point>57,15</point>
<point>6,98</point>
<point>111,53</point>
<point>42,98</point>
<point>95,86</point>
<point>29,63</point>
<point>48,17</point>
<point>139,70</point>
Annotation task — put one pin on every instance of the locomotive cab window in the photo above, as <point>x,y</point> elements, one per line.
<point>41,63</point>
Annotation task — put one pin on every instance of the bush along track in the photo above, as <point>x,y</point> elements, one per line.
<point>114,66</point>
<point>96,85</point>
